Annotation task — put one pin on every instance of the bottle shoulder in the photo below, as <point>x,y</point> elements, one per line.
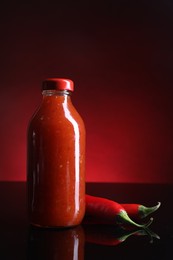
<point>57,113</point>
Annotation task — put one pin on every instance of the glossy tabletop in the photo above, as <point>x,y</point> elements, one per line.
<point>18,240</point>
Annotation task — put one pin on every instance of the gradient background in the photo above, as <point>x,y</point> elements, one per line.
<point>120,56</point>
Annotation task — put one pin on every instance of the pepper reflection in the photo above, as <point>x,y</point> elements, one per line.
<point>50,244</point>
<point>108,235</point>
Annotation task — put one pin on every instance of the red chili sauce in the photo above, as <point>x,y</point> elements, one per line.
<point>56,163</point>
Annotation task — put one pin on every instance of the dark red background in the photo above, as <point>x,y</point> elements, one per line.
<point>120,56</point>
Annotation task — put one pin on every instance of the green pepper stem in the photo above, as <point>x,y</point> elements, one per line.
<point>125,219</point>
<point>145,211</point>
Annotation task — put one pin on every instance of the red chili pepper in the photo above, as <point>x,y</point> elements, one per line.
<point>138,211</point>
<point>108,211</point>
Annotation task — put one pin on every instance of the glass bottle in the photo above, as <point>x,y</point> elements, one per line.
<point>56,159</point>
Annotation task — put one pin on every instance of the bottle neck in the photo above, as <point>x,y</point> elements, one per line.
<point>56,93</point>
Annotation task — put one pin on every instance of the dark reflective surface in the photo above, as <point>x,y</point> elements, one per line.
<point>18,240</point>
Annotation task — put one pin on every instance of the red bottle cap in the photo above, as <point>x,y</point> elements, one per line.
<point>58,84</point>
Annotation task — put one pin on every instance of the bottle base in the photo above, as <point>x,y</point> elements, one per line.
<point>34,225</point>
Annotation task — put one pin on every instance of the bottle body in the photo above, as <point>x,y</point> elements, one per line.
<point>56,164</point>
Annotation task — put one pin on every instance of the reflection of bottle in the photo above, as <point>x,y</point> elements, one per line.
<point>56,159</point>
<point>63,244</point>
